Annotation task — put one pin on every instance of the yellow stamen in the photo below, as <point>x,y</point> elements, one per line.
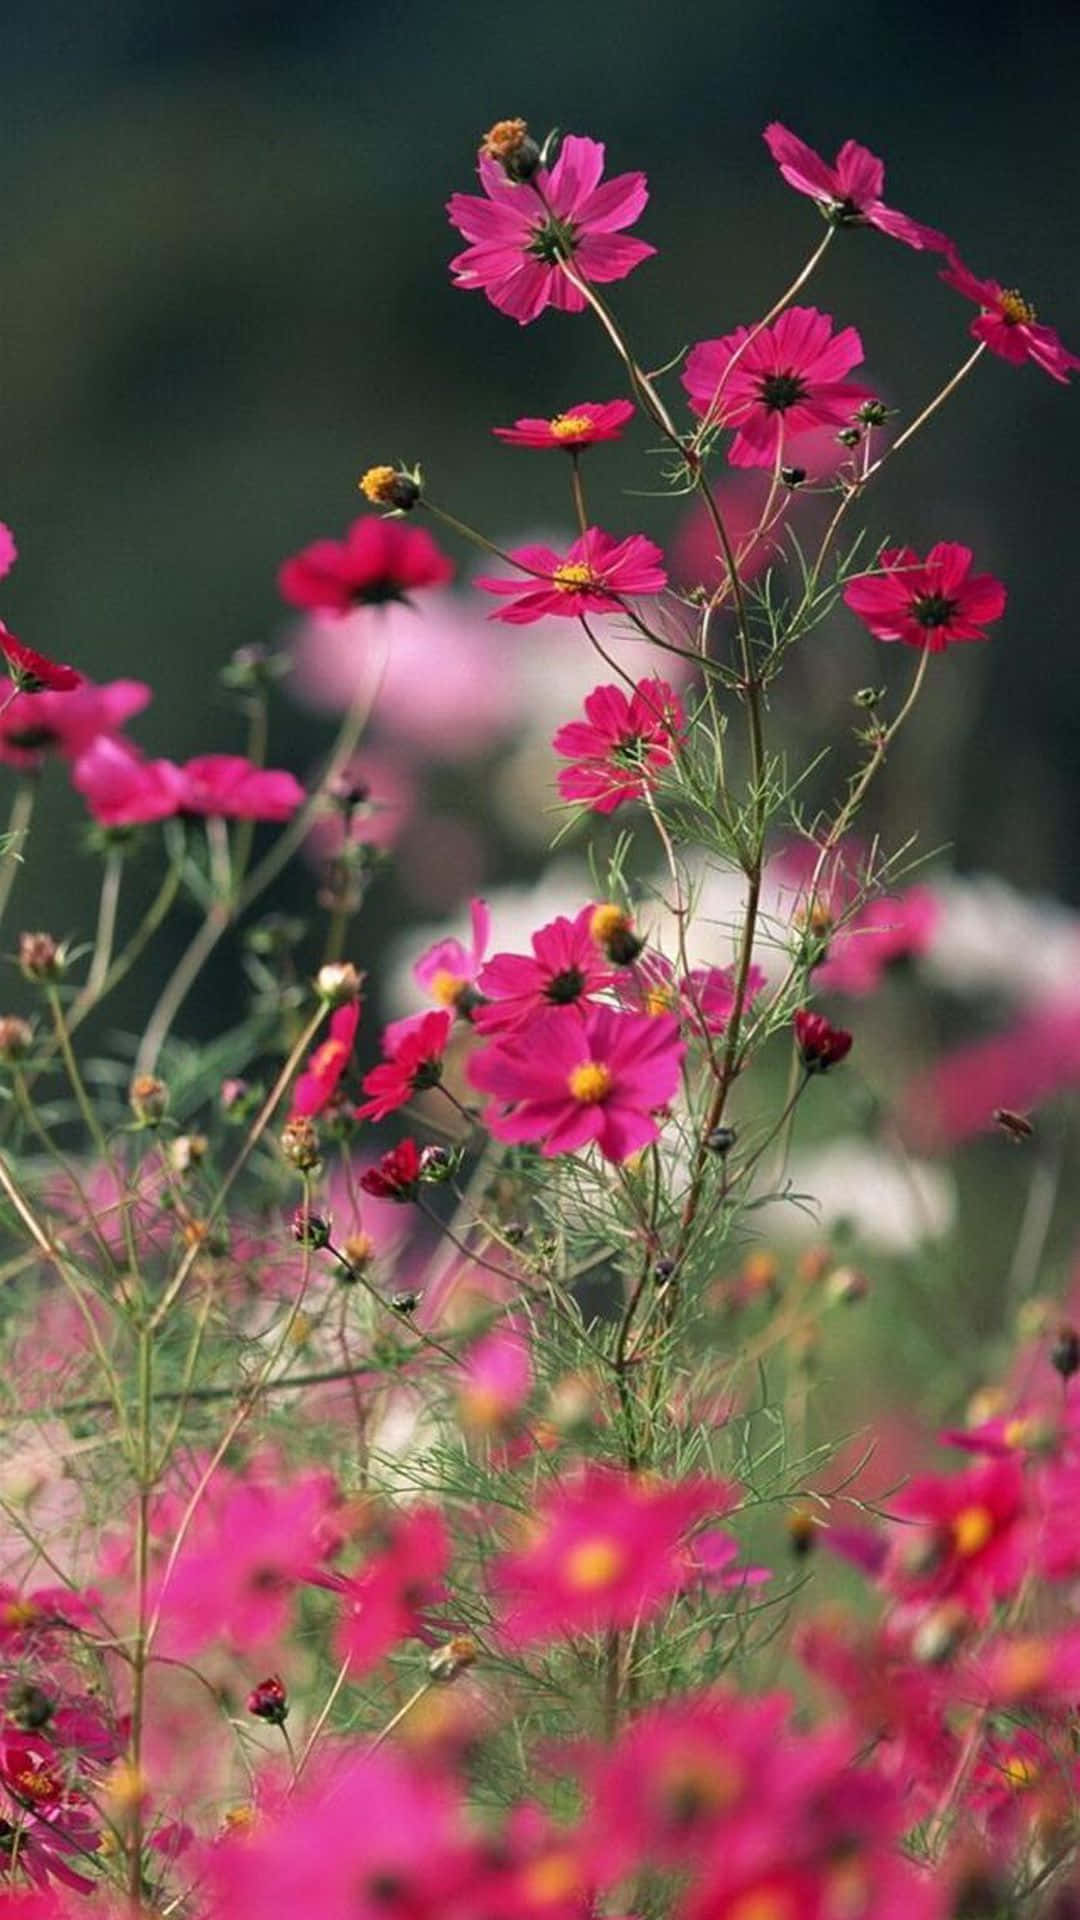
<point>1018,1771</point>
<point>570,426</point>
<point>572,576</point>
<point>661,1000</point>
<point>1014,309</point>
<point>447,988</point>
<point>1024,1667</point>
<point>764,1903</point>
<point>692,1784</point>
<point>972,1528</point>
<point>552,1879</point>
<point>593,1564</point>
<point>327,1058</point>
<point>376,485</point>
<point>590,1082</point>
<point>606,921</point>
<point>504,139</point>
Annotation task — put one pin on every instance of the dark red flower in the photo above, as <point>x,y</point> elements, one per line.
<point>269,1701</point>
<point>927,603</point>
<point>32,672</point>
<point>820,1044</point>
<point>397,1175</point>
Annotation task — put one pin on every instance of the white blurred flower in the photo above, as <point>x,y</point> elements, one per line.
<point>991,939</point>
<point>890,1202</point>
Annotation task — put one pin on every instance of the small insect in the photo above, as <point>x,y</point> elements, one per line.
<point>1017,1125</point>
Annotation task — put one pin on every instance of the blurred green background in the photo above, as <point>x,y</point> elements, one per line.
<point>224,291</point>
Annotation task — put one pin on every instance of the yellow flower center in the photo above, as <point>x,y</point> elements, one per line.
<point>971,1529</point>
<point>1024,1666</point>
<point>1014,309</point>
<point>572,576</point>
<point>593,1564</point>
<point>34,1783</point>
<point>376,483</point>
<point>19,1613</point>
<point>661,1000</point>
<point>551,1879</point>
<point>607,920</point>
<point>764,1903</point>
<point>1017,1433</point>
<point>504,139</point>
<point>570,426</point>
<point>695,1784</point>
<point>1018,1771</point>
<point>327,1058</point>
<point>446,987</point>
<point>590,1082</point>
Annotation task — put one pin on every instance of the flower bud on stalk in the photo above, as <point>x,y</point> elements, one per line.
<point>447,1661</point>
<point>820,1045</point>
<point>16,1039</point>
<point>613,930</point>
<point>41,958</point>
<point>269,1701</point>
<point>311,1230</point>
<point>510,144</point>
<point>148,1098</point>
<point>390,487</point>
<point>300,1144</point>
<point>338,983</point>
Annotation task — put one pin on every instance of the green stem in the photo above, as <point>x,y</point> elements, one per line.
<point>18,826</point>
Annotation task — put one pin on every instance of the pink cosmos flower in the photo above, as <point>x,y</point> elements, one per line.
<point>605,1549</point>
<point>849,192</point>
<point>566,969</point>
<point>594,576</point>
<point>50,1823</point>
<point>411,1066</point>
<point>378,560</point>
<point>32,672</point>
<point>776,383</point>
<point>927,603</point>
<point>316,1086</point>
<point>122,789</point>
<point>1006,323</point>
<point>498,1379</point>
<point>703,998</point>
<point>1019,1068</point>
<point>230,787</point>
<point>875,937</point>
<point>580,426</point>
<point>9,552</point>
<point>972,1540</point>
<point>385,1603</point>
<point>620,744</point>
<point>67,723</point>
<point>568,1082</point>
<point>448,971</point>
<point>520,232</point>
<point>820,1044</point>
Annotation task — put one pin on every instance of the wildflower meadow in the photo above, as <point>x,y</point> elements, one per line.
<point>507,1426</point>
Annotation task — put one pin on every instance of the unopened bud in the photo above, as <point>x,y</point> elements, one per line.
<point>358,1253</point>
<point>1065,1352</point>
<point>721,1140</point>
<point>793,476</point>
<point>186,1151</point>
<point>404,1303</point>
<point>300,1144</point>
<point>867,697</point>
<point>250,669</point>
<point>269,1701</point>
<point>847,1286</point>
<point>40,956</point>
<point>447,1661</point>
<point>390,487</point>
<point>148,1098</point>
<point>16,1038</point>
<point>801,1531</point>
<point>338,983</point>
<point>312,1230</point>
<point>940,1634</point>
<point>872,413</point>
<point>510,143</point>
<point>849,436</point>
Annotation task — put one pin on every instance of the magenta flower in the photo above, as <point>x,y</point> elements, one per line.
<point>606,1549</point>
<point>378,560</point>
<point>580,426</point>
<point>849,192</point>
<point>317,1085</point>
<point>32,672</point>
<point>1006,323</point>
<point>497,1380</point>
<point>67,723</point>
<point>622,742</point>
<point>594,576</point>
<point>520,232</point>
<point>9,552</point>
<point>820,1044</point>
<point>411,1066</point>
<point>774,384</point>
<point>967,1536</point>
<point>230,787</point>
<point>385,1602</point>
<point>397,1175</point>
<point>567,967</point>
<point>448,970</point>
<point>703,998</point>
<point>875,937</point>
<point>569,1082</point>
<point>927,603</point>
<point>122,789</point>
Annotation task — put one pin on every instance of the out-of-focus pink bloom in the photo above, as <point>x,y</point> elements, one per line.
<point>228,785</point>
<point>440,642</point>
<point>566,1083</point>
<point>566,969</point>
<point>519,232</point>
<point>605,1549</point>
<point>620,745</point>
<point>378,560</point>
<point>122,789</point>
<point>317,1085</point>
<point>820,1044</point>
<point>448,971</point>
<point>876,936</point>
<point>386,1602</point>
<point>383,800</point>
<point>67,723</point>
<point>848,192</point>
<point>968,1536</point>
<point>703,998</point>
<point>1018,1069</point>
<point>1028,1669</point>
<point>580,426</point>
<point>775,384</point>
<point>497,1382</point>
<point>9,552</point>
<point>413,1065</point>
<point>927,603</point>
<point>1007,325</point>
<point>595,575</point>
<point>53,1823</point>
<point>31,671</point>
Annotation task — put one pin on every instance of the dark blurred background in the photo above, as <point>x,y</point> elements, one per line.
<point>224,290</point>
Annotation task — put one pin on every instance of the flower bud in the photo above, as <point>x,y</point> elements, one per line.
<point>186,1151</point>
<point>311,1230</point>
<point>452,1658</point>
<point>358,1253</point>
<point>250,669</point>
<point>872,413</point>
<point>940,1634</point>
<point>338,983</point>
<point>300,1144</point>
<point>721,1140</point>
<point>801,1531</point>
<point>613,930</point>
<point>867,696</point>
<point>269,1701</point>
<point>239,1100</point>
<point>30,1706</point>
<point>510,144</point>
<point>404,1303</point>
<point>1065,1352</point>
<point>390,487</point>
<point>41,957</point>
<point>148,1098</point>
<point>820,1045</point>
<point>16,1038</point>
<point>793,476</point>
<point>397,1175</point>
<point>847,1286</point>
<point>849,436</point>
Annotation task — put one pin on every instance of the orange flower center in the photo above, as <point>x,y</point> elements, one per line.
<point>972,1528</point>
<point>764,1903</point>
<point>661,1000</point>
<point>552,1879</point>
<point>590,1082</point>
<point>571,577</point>
<point>1018,1771</point>
<point>1025,1666</point>
<point>593,1564</point>
<point>446,987</point>
<point>570,426</point>
<point>1014,309</point>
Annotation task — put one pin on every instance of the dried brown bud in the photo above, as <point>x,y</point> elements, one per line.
<point>148,1098</point>
<point>300,1144</point>
<point>447,1661</point>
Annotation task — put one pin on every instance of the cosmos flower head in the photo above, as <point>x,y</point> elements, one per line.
<point>33,672</point>
<point>594,575</point>
<point>583,425</point>
<point>378,560</point>
<point>565,970</point>
<point>623,742</point>
<point>413,1063</point>
<point>519,232</point>
<point>929,603</point>
<point>1007,323</point>
<point>775,384</point>
<point>67,723</point>
<point>848,193</point>
<point>319,1081</point>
